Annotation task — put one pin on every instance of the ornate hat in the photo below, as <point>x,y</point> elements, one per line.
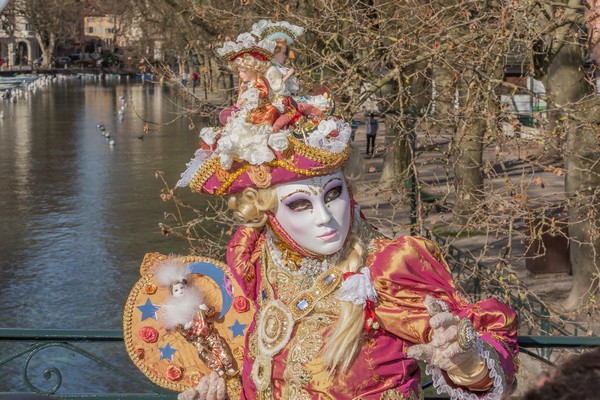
<point>276,30</point>
<point>229,164</point>
<point>246,44</point>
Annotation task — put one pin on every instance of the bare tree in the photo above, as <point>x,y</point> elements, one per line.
<point>437,72</point>
<point>52,21</point>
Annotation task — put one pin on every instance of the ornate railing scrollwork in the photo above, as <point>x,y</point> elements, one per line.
<point>52,374</point>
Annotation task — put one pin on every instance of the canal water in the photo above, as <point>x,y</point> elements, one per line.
<point>77,215</point>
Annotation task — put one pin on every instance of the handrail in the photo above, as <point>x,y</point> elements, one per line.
<point>64,338</point>
<point>109,335</point>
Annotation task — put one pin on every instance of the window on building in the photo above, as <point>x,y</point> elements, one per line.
<point>99,19</point>
<point>27,27</point>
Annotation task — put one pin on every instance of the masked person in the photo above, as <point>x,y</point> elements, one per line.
<point>341,311</point>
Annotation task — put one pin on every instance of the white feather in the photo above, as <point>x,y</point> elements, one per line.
<point>170,272</point>
<point>180,310</point>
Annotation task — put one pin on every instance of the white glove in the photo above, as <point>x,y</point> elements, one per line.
<point>444,350</point>
<point>211,387</point>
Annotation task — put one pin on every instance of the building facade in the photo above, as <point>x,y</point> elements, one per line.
<point>18,45</point>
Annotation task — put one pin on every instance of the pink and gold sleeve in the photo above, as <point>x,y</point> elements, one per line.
<point>406,270</point>
<point>243,257</point>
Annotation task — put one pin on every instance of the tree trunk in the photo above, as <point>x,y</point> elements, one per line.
<point>582,182</point>
<point>467,155</point>
<point>397,159</point>
<point>47,48</point>
<point>444,98</point>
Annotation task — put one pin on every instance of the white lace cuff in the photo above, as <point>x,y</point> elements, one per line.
<point>496,392</point>
<point>358,288</point>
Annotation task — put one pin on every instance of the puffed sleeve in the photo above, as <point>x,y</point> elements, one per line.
<point>275,78</point>
<point>243,258</point>
<point>406,270</point>
<point>262,86</point>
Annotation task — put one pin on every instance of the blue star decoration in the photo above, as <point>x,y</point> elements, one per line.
<point>167,352</point>
<point>148,310</point>
<point>237,328</point>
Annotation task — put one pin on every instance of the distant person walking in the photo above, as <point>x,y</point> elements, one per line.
<point>184,79</point>
<point>194,81</point>
<point>372,127</point>
<point>354,128</point>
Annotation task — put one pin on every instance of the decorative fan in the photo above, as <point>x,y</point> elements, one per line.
<point>169,357</point>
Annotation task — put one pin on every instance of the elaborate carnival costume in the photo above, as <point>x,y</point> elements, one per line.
<point>344,323</point>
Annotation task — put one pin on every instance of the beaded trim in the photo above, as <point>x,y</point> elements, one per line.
<point>277,28</point>
<point>309,267</point>
<point>331,161</point>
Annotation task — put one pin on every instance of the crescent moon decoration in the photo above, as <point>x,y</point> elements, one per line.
<point>155,350</point>
<point>217,275</point>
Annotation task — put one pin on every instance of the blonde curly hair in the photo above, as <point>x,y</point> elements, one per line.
<point>248,62</point>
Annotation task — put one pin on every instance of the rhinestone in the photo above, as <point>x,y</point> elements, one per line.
<point>329,279</point>
<point>302,304</point>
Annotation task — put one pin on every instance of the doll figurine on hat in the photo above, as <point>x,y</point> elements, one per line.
<point>341,311</point>
<point>281,77</point>
<point>250,60</point>
<point>249,124</point>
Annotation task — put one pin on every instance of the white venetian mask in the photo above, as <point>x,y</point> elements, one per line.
<point>315,212</point>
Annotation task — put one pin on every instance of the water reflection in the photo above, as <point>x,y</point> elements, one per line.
<point>78,215</point>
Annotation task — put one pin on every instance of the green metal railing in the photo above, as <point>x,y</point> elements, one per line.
<point>69,340</point>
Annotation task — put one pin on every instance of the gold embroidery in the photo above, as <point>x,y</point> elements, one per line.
<point>221,174</point>
<point>395,394</point>
<point>304,347</point>
<point>276,318</point>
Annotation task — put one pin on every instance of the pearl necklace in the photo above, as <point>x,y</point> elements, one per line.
<point>309,267</point>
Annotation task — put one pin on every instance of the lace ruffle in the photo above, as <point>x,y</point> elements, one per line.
<point>456,393</point>
<point>358,288</point>
<point>323,138</point>
<point>200,157</point>
<point>245,41</point>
